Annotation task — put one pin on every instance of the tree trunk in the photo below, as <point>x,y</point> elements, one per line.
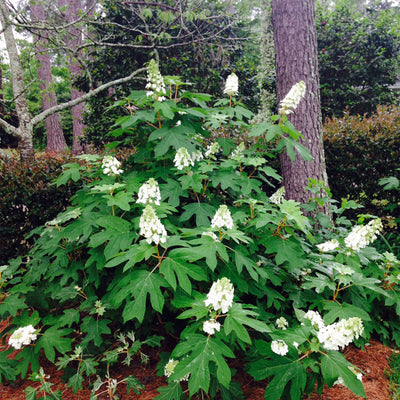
<point>24,132</point>
<point>54,133</point>
<point>296,60</point>
<point>72,10</point>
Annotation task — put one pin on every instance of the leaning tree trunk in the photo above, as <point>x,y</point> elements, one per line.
<point>296,60</point>
<point>24,132</point>
<point>72,10</point>
<point>54,133</point>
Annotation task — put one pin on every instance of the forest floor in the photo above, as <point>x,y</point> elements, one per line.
<point>373,361</point>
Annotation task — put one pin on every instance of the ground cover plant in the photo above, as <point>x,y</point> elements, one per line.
<point>183,236</point>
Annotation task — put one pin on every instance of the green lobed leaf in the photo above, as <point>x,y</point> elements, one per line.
<point>333,365</point>
<point>53,338</point>
<point>171,392</point>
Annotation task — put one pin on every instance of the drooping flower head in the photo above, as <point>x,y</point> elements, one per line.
<point>279,347</point>
<point>292,99</point>
<point>151,227</point>
<point>22,337</point>
<point>211,326</point>
<point>222,218</point>
<point>220,296</point>
<point>155,82</point>
<point>362,235</point>
<point>149,193</point>
<point>182,158</point>
<point>111,166</point>
<point>232,85</point>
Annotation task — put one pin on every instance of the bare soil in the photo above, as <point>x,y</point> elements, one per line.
<point>373,361</point>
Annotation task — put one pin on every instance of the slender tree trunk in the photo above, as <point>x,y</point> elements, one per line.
<point>54,133</point>
<point>296,60</point>
<point>24,132</point>
<point>72,10</point>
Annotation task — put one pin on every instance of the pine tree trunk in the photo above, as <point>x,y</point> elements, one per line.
<point>72,10</point>
<point>296,60</point>
<point>54,133</point>
<point>24,132</point>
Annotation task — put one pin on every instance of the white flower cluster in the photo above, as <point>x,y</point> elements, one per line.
<point>292,99</point>
<point>341,333</point>
<point>170,368</point>
<point>362,235</point>
<point>197,155</point>
<point>315,318</point>
<point>220,296</point>
<point>222,218</point>
<point>111,166</point>
<point>278,196</point>
<point>151,227</point>
<point>232,85</point>
<point>212,149</point>
<point>279,347</point>
<point>282,323</point>
<point>328,246</point>
<point>155,82</point>
<point>211,326</point>
<point>22,337</point>
<point>149,193</point>
<point>237,154</point>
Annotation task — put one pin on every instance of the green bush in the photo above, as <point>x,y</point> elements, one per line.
<point>360,151</point>
<point>28,200</point>
<point>180,240</point>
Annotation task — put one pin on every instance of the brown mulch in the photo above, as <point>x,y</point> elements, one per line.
<point>374,362</point>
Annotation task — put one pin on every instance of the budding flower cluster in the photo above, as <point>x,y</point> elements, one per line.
<point>22,337</point>
<point>155,82</point>
<point>279,347</point>
<point>151,227</point>
<point>278,196</point>
<point>362,235</point>
<point>220,296</point>
<point>111,166</point>
<point>292,99</point>
<point>237,154</point>
<point>212,149</point>
<point>149,193</point>
<point>281,323</point>
<point>211,326</point>
<point>222,218</point>
<point>232,85</point>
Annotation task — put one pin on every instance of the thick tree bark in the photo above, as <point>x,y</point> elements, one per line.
<point>296,60</point>
<point>74,40</point>
<point>24,132</point>
<point>54,133</point>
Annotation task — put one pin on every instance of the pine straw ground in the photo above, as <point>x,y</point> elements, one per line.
<point>374,362</point>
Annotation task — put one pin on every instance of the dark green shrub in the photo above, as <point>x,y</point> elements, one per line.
<point>359,152</point>
<point>28,199</point>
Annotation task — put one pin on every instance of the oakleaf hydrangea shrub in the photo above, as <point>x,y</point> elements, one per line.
<point>181,240</point>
